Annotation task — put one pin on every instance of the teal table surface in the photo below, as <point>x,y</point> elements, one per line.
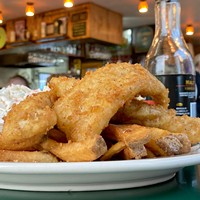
<point>185,185</point>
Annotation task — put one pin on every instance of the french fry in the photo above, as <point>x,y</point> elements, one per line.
<point>160,142</point>
<point>57,135</point>
<point>113,150</point>
<point>133,137</point>
<point>86,150</point>
<point>150,154</point>
<point>26,156</point>
<point>137,151</point>
<point>153,147</point>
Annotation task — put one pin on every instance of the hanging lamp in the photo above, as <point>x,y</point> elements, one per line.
<point>189,29</point>
<point>30,11</point>
<point>143,6</point>
<point>1,17</point>
<point>68,3</point>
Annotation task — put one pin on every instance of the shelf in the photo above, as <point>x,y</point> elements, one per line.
<point>19,43</point>
<point>51,39</point>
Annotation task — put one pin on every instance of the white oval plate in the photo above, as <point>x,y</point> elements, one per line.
<point>88,176</point>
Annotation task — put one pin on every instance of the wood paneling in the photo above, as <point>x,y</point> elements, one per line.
<point>83,21</point>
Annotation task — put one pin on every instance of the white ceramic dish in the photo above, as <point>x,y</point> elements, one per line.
<point>88,176</point>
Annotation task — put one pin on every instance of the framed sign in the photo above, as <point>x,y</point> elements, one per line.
<point>79,29</point>
<point>50,29</point>
<point>79,25</point>
<point>20,30</point>
<point>143,39</point>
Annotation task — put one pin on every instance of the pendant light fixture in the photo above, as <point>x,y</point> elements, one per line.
<point>68,3</point>
<point>189,29</point>
<point>143,6</point>
<point>1,17</point>
<point>30,11</point>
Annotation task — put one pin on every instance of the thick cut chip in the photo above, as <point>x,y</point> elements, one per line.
<point>26,156</point>
<point>88,150</point>
<point>137,138</point>
<point>113,150</point>
<point>133,136</point>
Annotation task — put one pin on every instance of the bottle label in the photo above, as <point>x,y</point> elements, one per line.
<point>181,93</point>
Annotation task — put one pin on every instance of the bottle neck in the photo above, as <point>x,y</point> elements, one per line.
<point>167,17</point>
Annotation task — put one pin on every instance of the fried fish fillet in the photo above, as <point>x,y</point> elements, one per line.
<point>19,145</point>
<point>60,85</point>
<point>139,112</point>
<point>28,121</point>
<point>87,108</point>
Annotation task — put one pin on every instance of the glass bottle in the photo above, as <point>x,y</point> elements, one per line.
<point>169,58</point>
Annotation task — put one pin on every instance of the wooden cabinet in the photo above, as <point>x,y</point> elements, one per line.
<point>92,21</point>
<point>84,21</point>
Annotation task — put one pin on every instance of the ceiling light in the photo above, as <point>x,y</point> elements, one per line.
<point>143,6</point>
<point>189,29</point>
<point>68,3</point>
<point>1,18</point>
<point>30,9</point>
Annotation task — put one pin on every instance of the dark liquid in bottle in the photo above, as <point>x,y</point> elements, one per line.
<point>181,93</point>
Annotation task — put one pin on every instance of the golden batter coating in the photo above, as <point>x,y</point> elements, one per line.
<point>61,85</point>
<point>139,112</point>
<point>87,109</point>
<point>30,119</point>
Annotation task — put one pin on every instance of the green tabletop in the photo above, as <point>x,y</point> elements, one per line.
<point>185,185</point>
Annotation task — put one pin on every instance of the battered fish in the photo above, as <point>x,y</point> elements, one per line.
<point>61,85</point>
<point>28,121</point>
<point>87,108</point>
<point>139,112</point>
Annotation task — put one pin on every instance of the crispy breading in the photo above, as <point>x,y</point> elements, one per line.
<point>139,112</point>
<point>87,108</point>
<point>60,85</point>
<point>30,118</point>
<point>19,145</point>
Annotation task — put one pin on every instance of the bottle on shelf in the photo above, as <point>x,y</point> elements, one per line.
<point>12,36</point>
<point>170,60</point>
<point>58,27</point>
<point>43,29</point>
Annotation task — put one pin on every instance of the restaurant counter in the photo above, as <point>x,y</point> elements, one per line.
<point>185,185</point>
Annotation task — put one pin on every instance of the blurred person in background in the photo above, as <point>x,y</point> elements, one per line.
<point>18,80</point>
